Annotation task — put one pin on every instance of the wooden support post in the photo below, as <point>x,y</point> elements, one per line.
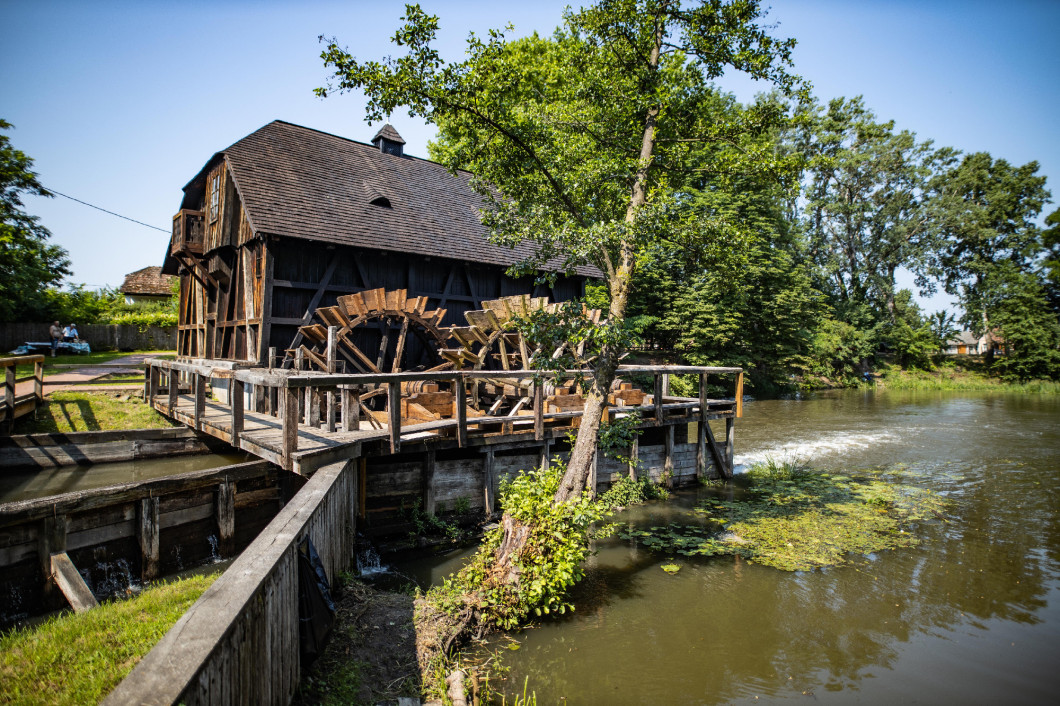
<point>51,539</point>
<point>666,384</point>
<point>235,399</point>
<point>200,400</point>
<point>362,490</point>
<point>701,431</point>
<point>657,399</point>
<point>226,518</point>
<point>539,411</point>
<point>75,589</point>
<point>546,453</point>
<point>393,408</point>
<point>739,394</point>
<point>259,398</point>
<point>149,534</point>
<point>272,357</point>
<point>429,491</point>
<point>312,406</point>
<point>351,410</point>
<point>668,457</point>
<point>38,381</point>
<point>461,411</point>
<point>9,396</point>
<point>332,349</point>
<point>150,385</point>
<point>490,482</point>
<point>716,454</point>
<point>298,355</point>
<point>174,390</point>
<point>634,457</point>
<point>289,421</point>
<point>330,410</point>
<point>730,438</point>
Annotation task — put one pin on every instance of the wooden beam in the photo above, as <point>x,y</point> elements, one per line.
<point>739,394</point>
<point>71,584</point>
<point>730,438</point>
<point>149,538</point>
<point>289,417</point>
<point>200,400</point>
<point>539,410</point>
<point>351,408</point>
<point>716,454</point>
<point>701,433</point>
<point>668,457</point>
<point>657,399</point>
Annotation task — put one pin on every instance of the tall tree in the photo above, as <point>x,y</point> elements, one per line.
<point>867,197</point>
<point>28,263</point>
<point>581,142</point>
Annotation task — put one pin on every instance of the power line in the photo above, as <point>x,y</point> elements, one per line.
<point>85,203</point>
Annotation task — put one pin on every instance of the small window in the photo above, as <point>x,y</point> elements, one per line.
<point>215,196</point>
<point>381,201</point>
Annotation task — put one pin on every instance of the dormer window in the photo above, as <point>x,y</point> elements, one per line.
<point>389,141</point>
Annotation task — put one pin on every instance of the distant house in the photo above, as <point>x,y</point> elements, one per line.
<point>967,343</point>
<point>288,218</point>
<point>147,285</point>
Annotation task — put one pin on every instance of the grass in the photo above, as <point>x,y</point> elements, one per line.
<point>77,658</point>
<point>954,378</point>
<point>795,519</point>
<point>64,412</point>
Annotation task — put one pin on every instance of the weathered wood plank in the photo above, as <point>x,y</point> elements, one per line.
<point>65,575</point>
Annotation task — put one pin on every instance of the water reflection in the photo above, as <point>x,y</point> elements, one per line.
<point>968,616</point>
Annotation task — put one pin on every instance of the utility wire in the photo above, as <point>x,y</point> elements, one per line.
<point>148,225</point>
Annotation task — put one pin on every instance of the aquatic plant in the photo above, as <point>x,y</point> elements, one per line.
<point>794,518</point>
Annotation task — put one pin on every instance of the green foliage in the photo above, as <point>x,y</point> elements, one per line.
<point>1028,326</point>
<point>30,265</point>
<point>107,306</point>
<point>79,657</point>
<point>840,349</point>
<point>793,518</point>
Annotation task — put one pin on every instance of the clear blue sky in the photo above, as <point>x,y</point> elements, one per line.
<point>121,103</point>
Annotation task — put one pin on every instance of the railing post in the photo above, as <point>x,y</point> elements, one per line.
<point>38,381</point>
<point>461,411</point>
<point>701,429</point>
<point>331,408</point>
<point>393,406</point>
<point>9,395</point>
<point>539,411</point>
<point>657,398</point>
<point>730,439</point>
<point>272,357</point>
<point>351,410</point>
<point>739,394</point>
<point>666,384</point>
<point>200,399</point>
<point>668,457</point>
<point>333,332</point>
<point>174,389</point>
<point>289,424</point>
<point>235,398</point>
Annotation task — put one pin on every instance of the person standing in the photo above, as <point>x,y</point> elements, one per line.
<point>56,333</point>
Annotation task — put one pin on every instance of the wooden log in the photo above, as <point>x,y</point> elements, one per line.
<point>289,417</point>
<point>226,518</point>
<point>235,399</point>
<point>394,416</point>
<point>149,530</point>
<point>65,575</point>
<point>429,482</point>
<point>460,409</point>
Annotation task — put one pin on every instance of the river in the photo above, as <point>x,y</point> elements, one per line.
<point>970,616</point>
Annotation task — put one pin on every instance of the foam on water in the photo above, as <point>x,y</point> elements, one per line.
<point>805,450</point>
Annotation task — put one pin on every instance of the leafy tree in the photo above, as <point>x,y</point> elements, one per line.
<point>28,263</point>
<point>582,142</point>
<point>910,337</point>
<point>1027,325</point>
<point>1051,264</point>
<point>986,210</point>
<point>866,200</point>
<point>943,328</point>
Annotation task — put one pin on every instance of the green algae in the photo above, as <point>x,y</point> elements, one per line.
<point>796,519</point>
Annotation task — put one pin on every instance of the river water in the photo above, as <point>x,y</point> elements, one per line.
<point>970,616</point>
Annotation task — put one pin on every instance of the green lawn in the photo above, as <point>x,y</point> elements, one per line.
<point>50,364</point>
<point>78,658</point>
<point>89,411</point>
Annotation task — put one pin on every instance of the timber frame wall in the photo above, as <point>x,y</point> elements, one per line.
<point>243,292</point>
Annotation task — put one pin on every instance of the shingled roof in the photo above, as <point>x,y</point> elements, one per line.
<point>148,281</point>
<point>297,182</point>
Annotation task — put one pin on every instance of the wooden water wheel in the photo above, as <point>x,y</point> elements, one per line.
<point>379,331</point>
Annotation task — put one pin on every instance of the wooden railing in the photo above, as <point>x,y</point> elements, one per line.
<point>15,405</point>
<point>331,400</point>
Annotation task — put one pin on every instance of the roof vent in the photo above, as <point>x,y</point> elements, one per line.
<point>381,201</point>
<point>388,140</point>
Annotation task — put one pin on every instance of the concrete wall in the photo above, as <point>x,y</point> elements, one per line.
<point>102,337</point>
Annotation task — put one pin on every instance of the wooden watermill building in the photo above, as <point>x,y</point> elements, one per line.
<point>288,219</point>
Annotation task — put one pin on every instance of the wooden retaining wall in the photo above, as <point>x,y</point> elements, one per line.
<point>131,532</point>
<point>31,452</point>
<point>239,642</point>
